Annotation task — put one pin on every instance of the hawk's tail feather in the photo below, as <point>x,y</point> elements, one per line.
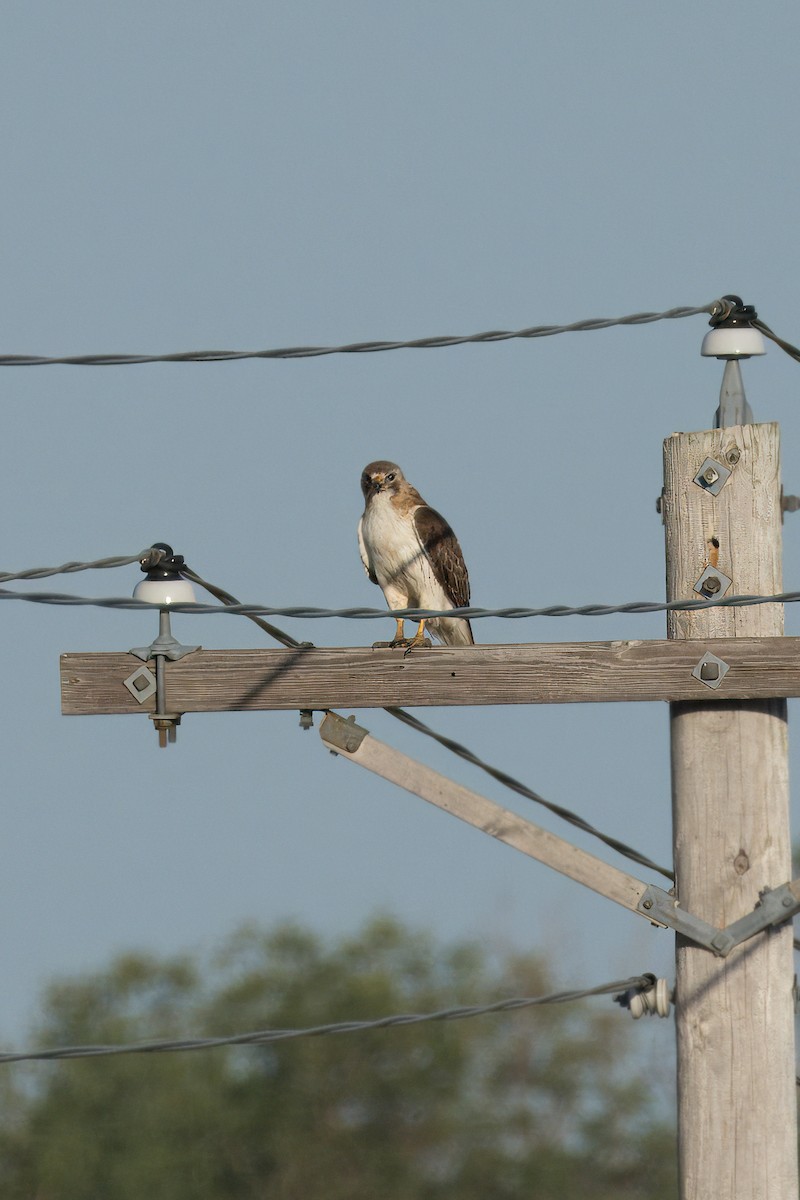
<point>453,631</point>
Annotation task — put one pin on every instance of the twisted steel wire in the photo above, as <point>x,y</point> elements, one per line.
<point>425,343</point>
<point>305,612</point>
<point>150,556</point>
<point>400,714</point>
<point>263,1037</point>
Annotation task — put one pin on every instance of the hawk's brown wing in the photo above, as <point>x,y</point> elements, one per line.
<point>442,548</point>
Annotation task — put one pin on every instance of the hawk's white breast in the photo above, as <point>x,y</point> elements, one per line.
<point>394,554</point>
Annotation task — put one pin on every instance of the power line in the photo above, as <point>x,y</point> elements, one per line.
<point>515,786</point>
<point>231,605</point>
<point>791,350</point>
<point>265,1037</point>
<point>150,557</point>
<point>714,308</point>
<point>227,599</point>
<point>305,612</point>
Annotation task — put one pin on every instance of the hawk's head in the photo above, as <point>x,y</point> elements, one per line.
<point>381,476</point>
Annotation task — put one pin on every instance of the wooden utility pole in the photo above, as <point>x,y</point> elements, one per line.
<point>737,1111</point>
<point>724,671</point>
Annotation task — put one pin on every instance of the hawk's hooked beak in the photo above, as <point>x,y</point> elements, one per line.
<point>378,482</point>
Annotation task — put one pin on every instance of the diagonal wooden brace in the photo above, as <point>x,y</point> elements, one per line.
<point>653,903</point>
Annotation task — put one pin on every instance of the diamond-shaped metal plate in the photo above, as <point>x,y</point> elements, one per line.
<point>710,573</point>
<point>141,684</point>
<point>712,476</point>
<point>711,670</point>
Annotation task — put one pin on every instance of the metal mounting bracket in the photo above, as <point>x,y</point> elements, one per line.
<point>774,907</point>
<point>663,908</point>
<point>142,683</point>
<point>343,733</point>
<point>166,645</point>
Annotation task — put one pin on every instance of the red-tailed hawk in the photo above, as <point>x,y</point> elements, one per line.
<point>411,552</point>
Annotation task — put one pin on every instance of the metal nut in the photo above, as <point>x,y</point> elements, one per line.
<point>712,582</point>
<point>712,475</point>
<point>710,671</point>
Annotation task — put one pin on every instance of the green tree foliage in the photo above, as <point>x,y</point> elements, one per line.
<point>540,1103</point>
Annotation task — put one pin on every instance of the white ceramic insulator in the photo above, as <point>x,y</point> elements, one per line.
<point>733,341</point>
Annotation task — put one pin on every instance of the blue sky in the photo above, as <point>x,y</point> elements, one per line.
<point>203,175</point>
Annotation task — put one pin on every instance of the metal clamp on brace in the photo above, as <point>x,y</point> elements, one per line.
<point>774,907</point>
<point>142,683</point>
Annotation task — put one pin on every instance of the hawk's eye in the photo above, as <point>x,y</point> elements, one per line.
<point>390,477</point>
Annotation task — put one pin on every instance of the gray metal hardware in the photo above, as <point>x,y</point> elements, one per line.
<point>712,582</point>
<point>773,908</point>
<point>164,647</point>
<point>165,644</point>
<point>141,684</point>
<point>345,735</point>
<point>663,908</point>
<point>660,506</point>
<point>711,670</point>
<point>733,408</point>
<point>712,476</point>
<point>166,726</point>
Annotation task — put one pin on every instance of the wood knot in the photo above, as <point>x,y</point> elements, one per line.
<point>741,864</point>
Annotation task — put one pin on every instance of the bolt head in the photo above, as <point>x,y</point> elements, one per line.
<point>712,585</point>
<point>710,475</point>
<point>647,904</point>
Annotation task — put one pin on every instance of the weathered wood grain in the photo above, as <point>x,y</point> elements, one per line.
<point>734,1017</point>
<point>544,673</point>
